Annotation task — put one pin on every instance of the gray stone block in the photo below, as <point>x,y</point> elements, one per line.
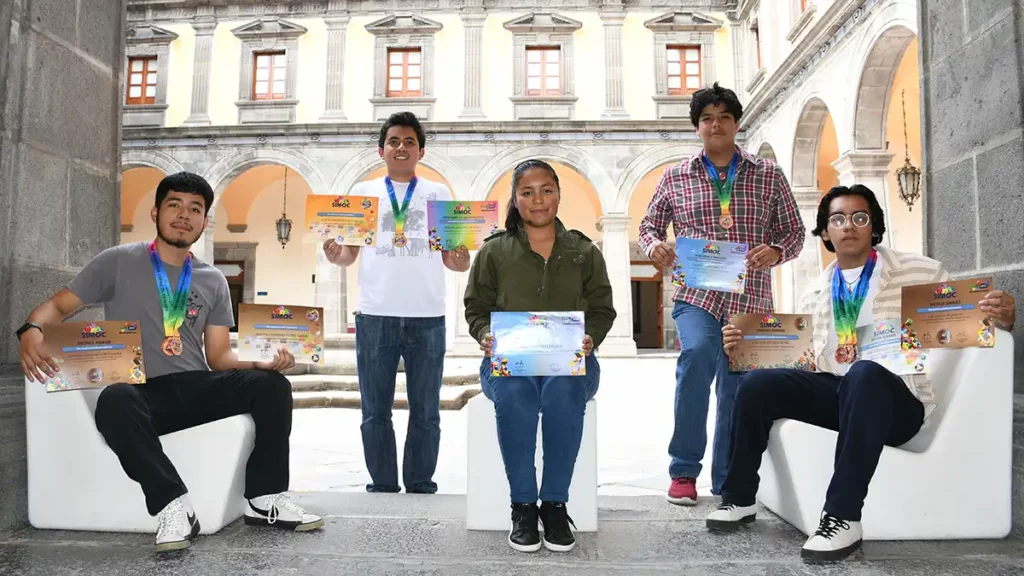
<point>1012,282</point>
<point>951,229</point>
<point>53,15</point>
<point>970,81</point>
<point>72,104</point>
<point>981,14</point>
<point>942,28</point>
<point>40,208</point>
<point>1001,204</point>
<point>13,496</point>
<point>30,287</point>
<point>99,30</point>
<point>94,215</point>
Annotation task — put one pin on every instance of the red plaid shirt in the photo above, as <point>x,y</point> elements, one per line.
<point>764,212</point>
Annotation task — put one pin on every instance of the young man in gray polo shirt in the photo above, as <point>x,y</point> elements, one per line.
<point>185,309</point>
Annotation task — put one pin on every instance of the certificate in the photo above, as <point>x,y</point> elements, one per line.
<point>265,328</point>
<point>881,342</point>
<point>95,354</point>
<point>946,315</point>
<point>710,265</point>
<point>773,341</point>
<point>537,344</point>
<point>349,220</point>
<point>454,224</point>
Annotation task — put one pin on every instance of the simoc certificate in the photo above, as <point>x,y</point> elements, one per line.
<point>773,341</point>
<point>881,342</point>
<point>946,315</point>
<point>454,224</point>
<point>95,354</point>
<point>265,328</point>
<point>710,265</point>
<point>350,220</point>
<point>537,344</point>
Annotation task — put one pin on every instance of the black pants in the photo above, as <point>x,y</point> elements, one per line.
<point>132,418</point>
<point>870,407</point>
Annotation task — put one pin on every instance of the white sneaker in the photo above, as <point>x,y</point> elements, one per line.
<point>729,517</point>
<point>279,511</point>
<point>177,525</point>
<point>834,540</point>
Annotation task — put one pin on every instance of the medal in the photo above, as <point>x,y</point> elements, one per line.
<point>846,306</point>
<point>723,182</point>
<point>171,304</point>
<point>399,239</point>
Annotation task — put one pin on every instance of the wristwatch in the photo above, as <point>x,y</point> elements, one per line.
<point>26,327</point>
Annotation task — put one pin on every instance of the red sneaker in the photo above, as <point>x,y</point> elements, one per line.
<point>683,491</point>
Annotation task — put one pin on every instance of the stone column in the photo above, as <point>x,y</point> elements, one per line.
<point>59,163</point>
<point>201,70</point>
<point>473,25</point>
<point>330,291</point>
<point>203,248</point>
<point>800,273</point>
<point>737,40</point>
<point>615,247</point>
<point>337,24</point>
<point>614,80</point>
<point>868,168</point>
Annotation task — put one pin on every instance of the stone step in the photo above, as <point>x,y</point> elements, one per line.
<point>452,398</point>
<point>344,383</point>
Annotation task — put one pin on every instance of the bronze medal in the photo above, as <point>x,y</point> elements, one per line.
<point>726,221</point>
<point>171,346</point>
<point>399,240</point>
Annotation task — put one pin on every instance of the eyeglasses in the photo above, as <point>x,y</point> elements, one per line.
<point>860,220</point>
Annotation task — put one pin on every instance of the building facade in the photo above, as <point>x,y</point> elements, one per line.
<point>274,101</point>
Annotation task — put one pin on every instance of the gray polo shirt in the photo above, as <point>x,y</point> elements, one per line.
<point>121,278</point>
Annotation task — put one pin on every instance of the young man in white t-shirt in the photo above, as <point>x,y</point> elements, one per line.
<point>867,404</point>
<point>401,312</point>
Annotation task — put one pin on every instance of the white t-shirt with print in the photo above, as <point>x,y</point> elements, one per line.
<point>865,318</point>
<point>405,282</point>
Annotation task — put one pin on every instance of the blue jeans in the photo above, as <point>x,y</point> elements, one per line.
<point>518,402</point>
<point>380,341</point>
<point>701,360</point>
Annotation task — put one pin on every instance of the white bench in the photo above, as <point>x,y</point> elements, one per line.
<point>487,490</point>
<point>75,482</point>
<point>951,481</point>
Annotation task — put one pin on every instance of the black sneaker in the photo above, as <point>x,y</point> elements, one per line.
<point>524,535</point>
<point>558,536</point>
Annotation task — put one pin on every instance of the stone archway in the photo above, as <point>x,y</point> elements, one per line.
<point>873,91</point>
<point>361,165</point>
<point>805,143</point>
<point>766,151</point>
<point>641,167</point>
<point>137,158</point>
<point>222,173</point>
<point>138,182</point>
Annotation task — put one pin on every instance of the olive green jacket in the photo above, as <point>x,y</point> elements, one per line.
<point>508,276</point>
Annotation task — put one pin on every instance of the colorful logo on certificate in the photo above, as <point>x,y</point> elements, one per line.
<point>312,315</point>
<point>461,208</point>
<point>281,313</point>
<point>712,248</point>
<point>340,202</point>
<point>945,291</point>
<point>129,328</point>
<point>980,286</point>
<point>770,321</point>
<point>801,324</point>
<point>93,330</point>
<point>538,320</point>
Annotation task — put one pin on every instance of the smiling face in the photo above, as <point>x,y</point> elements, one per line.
<point>537,197</point>
<point>180,219</point>
<point>849,226</point>
<point>401,151</point>
<point>717,127</point>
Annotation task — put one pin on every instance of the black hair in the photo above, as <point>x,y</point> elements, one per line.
<point>513,219</point>
<point>711,97</point>
<point>188,183</point>
<point>875,209</point>
<point>407,119</point>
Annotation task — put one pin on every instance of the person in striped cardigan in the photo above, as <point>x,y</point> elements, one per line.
<point>867,404</point>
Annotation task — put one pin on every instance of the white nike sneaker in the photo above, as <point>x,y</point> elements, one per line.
<point>834,540</point>
<point>729,517</point>
<point>177,525</point>
<point>279,511</point>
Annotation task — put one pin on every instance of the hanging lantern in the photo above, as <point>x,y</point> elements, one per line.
<point>908,176</point>
<point>284,225</point>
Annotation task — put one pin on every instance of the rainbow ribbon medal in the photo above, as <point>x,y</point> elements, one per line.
<point>846,308</point>
<point>400,213</point>
<point>172,304</point>
<point>723,185</point>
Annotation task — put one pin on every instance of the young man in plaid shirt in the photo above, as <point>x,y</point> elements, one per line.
<point>727,195</point>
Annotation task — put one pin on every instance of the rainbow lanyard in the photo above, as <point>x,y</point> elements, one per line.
<point>172,304</point>
<point>723,182</point>
<point>846,305</point>
<point>400,213</point>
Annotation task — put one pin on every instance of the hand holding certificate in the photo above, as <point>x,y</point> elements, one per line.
<point>264,328</point>
<point>453,224</point>
<point>947,315</point>
<point>349,220</point>
<point>772,341</point>
<point>95,354</point>
<point>538,344</point>
<point>710,265</point>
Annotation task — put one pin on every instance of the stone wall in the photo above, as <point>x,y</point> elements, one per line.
<point>59,163</point>
<point>972,73</point>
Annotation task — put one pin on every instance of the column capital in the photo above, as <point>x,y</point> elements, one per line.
<point>612,15</point>
<point>473,16</point>
<point>807,197</point>
<point>614,222</point>
<point>337,20</point>
<point>863,163</point>
<point>337,6</point>
<point>204,25</point>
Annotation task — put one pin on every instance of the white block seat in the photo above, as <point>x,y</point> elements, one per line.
<point>487,490</point>
<point>951,481</point>
<point>75,482</point>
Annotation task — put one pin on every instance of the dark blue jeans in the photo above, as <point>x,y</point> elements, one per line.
<point>870,407</point>
<point>380,342</point>
<point>701,360</point>
<point>518,402</point>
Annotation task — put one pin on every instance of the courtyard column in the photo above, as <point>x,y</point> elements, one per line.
<point>473,18</point>
<point>337,24</point>
<point>203,248</point>
<point>800,273</point>
<point>202,65</point>
<point>330,293</point>
<point>614,80</point>
<point>615,248</point>
<point>869,169</point>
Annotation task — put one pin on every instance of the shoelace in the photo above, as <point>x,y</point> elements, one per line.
<point>278,501</point>
<point>726,507</point>
<point>829,526</point>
